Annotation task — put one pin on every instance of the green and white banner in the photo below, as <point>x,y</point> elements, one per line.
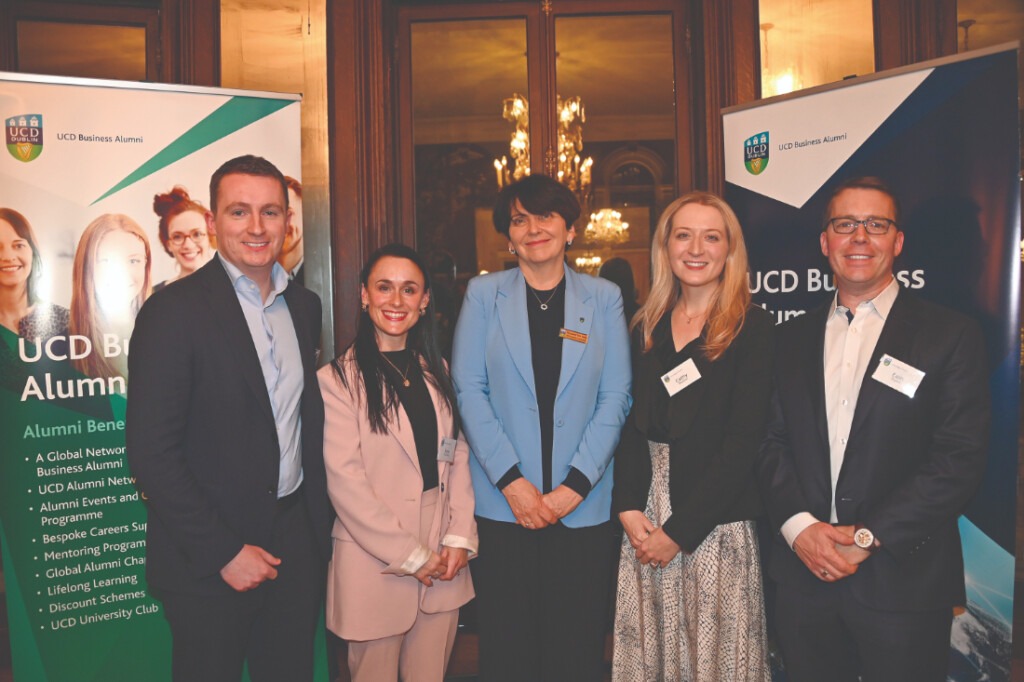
<point>90,168</point>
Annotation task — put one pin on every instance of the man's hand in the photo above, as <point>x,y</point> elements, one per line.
<point>816,547</point>
<point>250,567</point>
<point>528,505</point>
<point>562,500</point>
<point>851,553</point>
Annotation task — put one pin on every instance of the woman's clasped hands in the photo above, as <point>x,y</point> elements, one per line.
<point>444,566</point>
<point>534,510</point>
<point>653,546</point>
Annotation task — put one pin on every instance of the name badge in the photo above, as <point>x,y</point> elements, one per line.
<point>680,377</point>
<point>446,453</point>
<point>567,333</point>
<point>898,375</point>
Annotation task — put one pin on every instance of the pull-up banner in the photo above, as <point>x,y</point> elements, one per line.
<point>944,135</point>
<point>88,170</point>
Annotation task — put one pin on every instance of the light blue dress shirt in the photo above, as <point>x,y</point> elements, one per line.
<point>273,335</point>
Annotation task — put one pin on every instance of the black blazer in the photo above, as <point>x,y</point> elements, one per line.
<point>716,426</point>
<point>201,438</point>
<point>911,464</point>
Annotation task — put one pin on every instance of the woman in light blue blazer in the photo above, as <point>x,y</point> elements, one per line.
<point>541,367</point>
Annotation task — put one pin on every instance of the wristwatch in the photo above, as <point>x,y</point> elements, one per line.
<point>863,538</point>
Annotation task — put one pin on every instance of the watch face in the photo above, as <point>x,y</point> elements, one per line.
<point>864,538</point>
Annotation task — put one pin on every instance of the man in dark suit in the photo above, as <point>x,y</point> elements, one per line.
<point>225,438</point>
<point>878,438</point>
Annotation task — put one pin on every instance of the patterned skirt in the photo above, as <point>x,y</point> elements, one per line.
<point>699,619</point>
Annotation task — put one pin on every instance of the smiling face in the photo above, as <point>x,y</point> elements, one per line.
<point>15,258</point>
<point>698,246</point>
<point>538,239</point>
<point>862,262</point>
<point>194,251</point>
<point>394,294</point>
<point>250,223</point>
<point>120,272</point>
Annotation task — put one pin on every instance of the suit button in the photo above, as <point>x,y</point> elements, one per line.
<point>271,491</point>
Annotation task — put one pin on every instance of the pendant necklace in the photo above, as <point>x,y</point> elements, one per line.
<point>691,318</point>
<point>543,304</point>
<point>405,374</point>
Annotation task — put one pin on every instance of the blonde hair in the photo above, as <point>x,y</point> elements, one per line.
<point>86,317</point>
<point>728,307</point>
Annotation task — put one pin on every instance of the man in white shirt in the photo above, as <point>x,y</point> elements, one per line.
<point>878,439</point>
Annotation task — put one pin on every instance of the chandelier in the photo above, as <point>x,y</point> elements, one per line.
<point>607,226</point>
<point>588,263</point>
<point>517,111</point>
<point>572,170</point>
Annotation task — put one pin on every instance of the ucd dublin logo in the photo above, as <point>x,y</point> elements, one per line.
<point>25,136</point>
<point>755,153</point>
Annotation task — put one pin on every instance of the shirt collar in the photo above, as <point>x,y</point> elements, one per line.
<point>881,304</point>
<point>278,278</point>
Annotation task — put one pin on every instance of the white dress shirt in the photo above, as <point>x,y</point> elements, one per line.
<point>273,334</point>
<point>848,349</point>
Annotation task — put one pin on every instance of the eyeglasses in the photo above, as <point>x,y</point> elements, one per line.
<point>178,238</point>
<point>871,225</point>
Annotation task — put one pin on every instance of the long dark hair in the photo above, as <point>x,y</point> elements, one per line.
<point>381,396</point>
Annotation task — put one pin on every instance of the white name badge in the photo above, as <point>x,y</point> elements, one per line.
<point>898,375</point>
<point>680,377</point>
<point>446,453</point>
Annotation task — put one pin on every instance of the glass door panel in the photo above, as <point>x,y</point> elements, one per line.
<point>464,76</point>
<point>616,126</point>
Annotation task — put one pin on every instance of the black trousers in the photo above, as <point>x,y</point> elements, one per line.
<point>543,599</point>
<point>827,634</point>
<point>271,628</point>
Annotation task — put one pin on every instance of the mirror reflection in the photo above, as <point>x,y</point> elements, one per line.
<point>475,129</point>
<point>616,84</point>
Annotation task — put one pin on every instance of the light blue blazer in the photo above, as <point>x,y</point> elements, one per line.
<point>492,368</point>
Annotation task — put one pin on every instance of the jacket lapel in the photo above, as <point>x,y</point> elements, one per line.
<point>237,342</point>
<point>579,317</point>
<point>444,422</point>
<point>895,339</point>
<point>515,325</point>
<point>817,387</point>
<point>402,431</point>
<point>814,392</point>
<point>302,327</point>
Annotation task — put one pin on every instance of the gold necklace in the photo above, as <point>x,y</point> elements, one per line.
<point>405,374</point>
<point>543,304</point>
<point>690,318</point>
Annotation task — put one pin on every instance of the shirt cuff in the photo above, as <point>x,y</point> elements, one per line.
<point>577,482</point>
<point>459,542</point>
<point>795,525</point>
<point>415,562</point>
<point>513,474</point>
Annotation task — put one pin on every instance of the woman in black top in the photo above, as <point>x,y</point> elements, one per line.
<point>398,477</point>
<point>541,368</point>
<point>689,603</point>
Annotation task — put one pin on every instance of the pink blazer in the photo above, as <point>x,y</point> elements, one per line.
<point>375,485</point>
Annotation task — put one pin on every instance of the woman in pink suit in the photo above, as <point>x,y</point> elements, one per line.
<point>398,476</point>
